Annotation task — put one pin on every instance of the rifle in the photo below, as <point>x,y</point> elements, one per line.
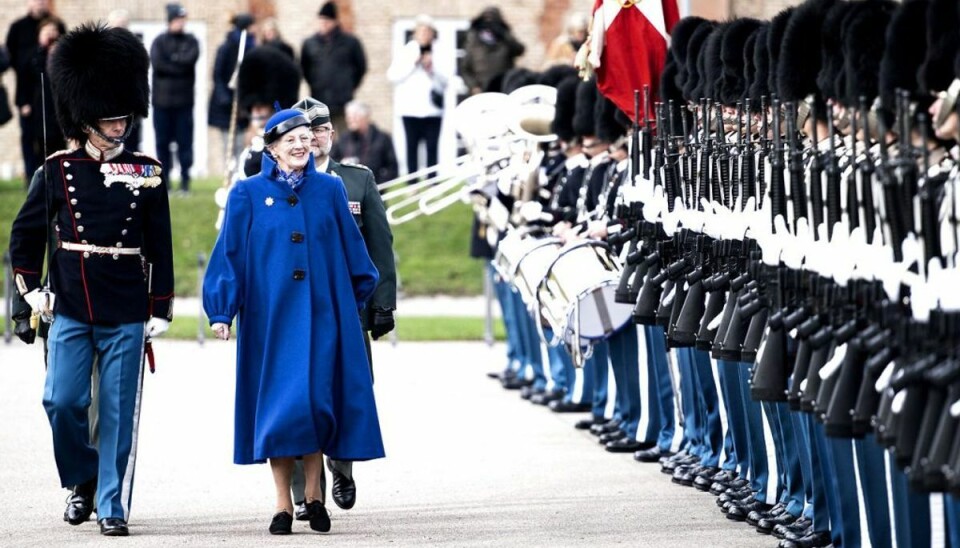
<point>929,204</point>
<point>778,191</point>
<point>866,170</point>
<point>906,162</point>
<point>749,163</point>
<point>815,176</point>
<point>853,204</point>
<point>735,167</point>
<point>669,173</point>
<point>833,180</point>
<point>764,152</point>
<point>706,152</point>
<point>687,160</point>
<point>646,142</point>
<point>721,191</point>
<point>798,195</point>
<point>891,196</point>
<point>635,139</point>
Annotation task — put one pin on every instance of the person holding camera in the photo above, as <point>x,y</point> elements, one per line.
<point>422,88</point>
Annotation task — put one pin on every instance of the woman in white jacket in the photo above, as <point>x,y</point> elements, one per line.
<point>420,89</point>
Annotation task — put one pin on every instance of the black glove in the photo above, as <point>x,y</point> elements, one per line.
<point>21,318</point>
<point>383,322</point>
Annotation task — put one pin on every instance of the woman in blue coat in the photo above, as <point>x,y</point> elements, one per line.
<point>291,265</point>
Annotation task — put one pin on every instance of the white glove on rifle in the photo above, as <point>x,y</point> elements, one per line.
<point>157,327</point>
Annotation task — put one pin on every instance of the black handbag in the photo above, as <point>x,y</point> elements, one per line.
<point>5,113</point>
<point>436,97</point>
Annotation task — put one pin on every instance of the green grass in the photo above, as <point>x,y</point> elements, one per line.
<point>432,251</point>
<point>408,329</point>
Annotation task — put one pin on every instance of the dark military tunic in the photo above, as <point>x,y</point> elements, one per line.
<point>117,203</point>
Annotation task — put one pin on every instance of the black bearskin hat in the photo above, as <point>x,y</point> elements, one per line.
<point>606,126</point>
<point>710,66</point>
<point>518,77</point>
<point>733,85</point>
<point>556,74</point>
<point>566,106</point>
<point>267,75</point>
<point>583,112</point>
<point>903,52</point>
<point>863,42</point>
<point>774,46</point>
<point>670,92</point>
<point>692,77</point>
<point>800,62</point>
<point>831,80</point>
<point>680,37</point>
<point>943,41</point>
<point>759,86</point>
<point>98,72</point>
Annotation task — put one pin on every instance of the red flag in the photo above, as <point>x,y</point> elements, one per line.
<point>628,45</point>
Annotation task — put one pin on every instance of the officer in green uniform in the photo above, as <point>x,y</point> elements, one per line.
<point>377,319</point>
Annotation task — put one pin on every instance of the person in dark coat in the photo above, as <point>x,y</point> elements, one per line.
<point>333,63</point>
<point>366,144</point>
<point>269,35</point>
<point>174,57</point>
<point>303,385</point>
<point>377,320</point>
<point>22,45</point>
<point>112,224</point>
<point>221,98</point>
<point>49,139</point>
<point>490,51</point>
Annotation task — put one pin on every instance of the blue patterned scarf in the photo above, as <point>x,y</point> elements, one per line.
<point>294,179</point>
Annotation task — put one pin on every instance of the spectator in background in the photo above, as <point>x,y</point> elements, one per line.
<point>421,88</point>
<point>366,144</point>
<point>564,48</point>
<point>221,98</point>
<point>333,63</point>
<point>490,51</point>
<point>22,45</point>
<point>269,35</point>
<point>173,56</point>
<point>48,32</point>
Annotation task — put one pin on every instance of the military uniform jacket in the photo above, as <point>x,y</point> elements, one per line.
<point>117,203</point>
<point>368,211</point>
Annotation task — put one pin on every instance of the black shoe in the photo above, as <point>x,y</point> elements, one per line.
<point>649,455</point>
<point>796,530</point>
<point>587,424</point>
<point>671,464</point>
<point>739,512</point>
<point>686,474</point>
<point>612,436</point>
<point>515,383</point>
<point>718,488</point>
<point>115,527</point>
<point>754,517</point>
<point>281,523</point>
<point>561,406</point>
<point>528,392</point>
<point>80,503</point>
<point>606,427</point>
<point>701,483</point>
<point>547,396</point>
<point>301,513</point>
<point>766,525</point>
<point>732,495</point>
<point>344,489</point>
<point>319,518</point>
<point>817,539</point>
<point>625,445</point>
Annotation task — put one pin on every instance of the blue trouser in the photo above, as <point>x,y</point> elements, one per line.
<point>529,342</point>
<point>708,404</point>
<point>737,452</point>
<point>756,440</point>
<point>911,510</point>
<point>840,454</point>
<point>598,365</point>
<point>71,348</point>
<point>174,125</point>
<point>661,426</point>
<point>692,434</point>
<point>870,464</point>
<point>624,356</point>
<point>505,297</point>
<point>952,514</point>
<point>811,472</point>
<point>562,370</point>
<point>789,459</point>
<point>822,454</point>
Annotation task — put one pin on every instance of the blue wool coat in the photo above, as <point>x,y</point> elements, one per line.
<point>293,268</point>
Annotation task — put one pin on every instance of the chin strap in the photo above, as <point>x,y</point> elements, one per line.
<point>114,140</point>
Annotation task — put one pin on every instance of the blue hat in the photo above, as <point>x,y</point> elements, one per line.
<point>282,122</point>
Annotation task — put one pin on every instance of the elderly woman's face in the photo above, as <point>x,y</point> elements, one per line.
<point>292,151</point>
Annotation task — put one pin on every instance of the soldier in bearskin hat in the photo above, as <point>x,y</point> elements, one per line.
<point>111,271</point>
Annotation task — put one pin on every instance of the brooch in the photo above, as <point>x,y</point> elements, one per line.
<point>269,201</point>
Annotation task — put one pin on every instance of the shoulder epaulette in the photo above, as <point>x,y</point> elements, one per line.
<point>59,153</point>
<point>142,155</point>
<point>357,166</point>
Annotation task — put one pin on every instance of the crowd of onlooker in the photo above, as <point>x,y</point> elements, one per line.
<point>332,62</point>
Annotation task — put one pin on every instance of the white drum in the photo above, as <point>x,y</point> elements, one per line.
<point>533,268</point>
<point>576,297</point>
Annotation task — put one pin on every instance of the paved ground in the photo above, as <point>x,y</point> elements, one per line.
<point>468,464</point>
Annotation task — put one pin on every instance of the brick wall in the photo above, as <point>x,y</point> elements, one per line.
<point>535,22</point>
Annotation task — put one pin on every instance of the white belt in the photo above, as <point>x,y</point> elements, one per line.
<point>87,248</point>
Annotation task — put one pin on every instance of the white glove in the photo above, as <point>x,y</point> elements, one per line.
<point>157,327</point>
<point>221,330</point>
<point>530,211</point>
<point>41,302</point>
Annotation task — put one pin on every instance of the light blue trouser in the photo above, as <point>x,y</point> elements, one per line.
<point>598,365</point>
<point>662,424</point>
<point>624,356</point>
<point>791,472</point>
<point>529,342</point>
<point>505,298</point>
<point>756,440</point>
<point>71,348</point>
<point>736,447</point>
<point>876,503</point>
<point>812,472</point>
<point>708,406</point>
